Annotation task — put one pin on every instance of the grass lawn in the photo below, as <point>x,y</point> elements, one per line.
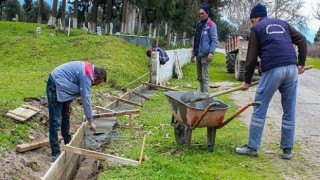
<point>26,61</point>
<point>168,160</point>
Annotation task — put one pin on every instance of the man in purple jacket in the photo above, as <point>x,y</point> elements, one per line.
<point>272,40</point>
<point>65,83</point>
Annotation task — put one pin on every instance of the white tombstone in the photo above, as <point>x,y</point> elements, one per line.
<point>184,38</point>
<point>38,31</point>
<point>150,30</point>
<point>69,26</point>
<point>99,31</point>
<point>111,28</point>
<point>175,39</point>
<point>89,26</point>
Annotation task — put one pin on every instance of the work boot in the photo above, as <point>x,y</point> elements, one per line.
<point>287,153</point>
<point>246,150</point>
<point>54,158</point>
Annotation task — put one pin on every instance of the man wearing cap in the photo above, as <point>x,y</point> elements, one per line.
<point>204,46</point>
<point>272,40</point>
<point>65,83</point>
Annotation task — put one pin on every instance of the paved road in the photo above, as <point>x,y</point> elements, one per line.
<point>307,124</point>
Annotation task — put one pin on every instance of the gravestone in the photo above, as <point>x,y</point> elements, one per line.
<point>38,31</point>
<point>99,31</point>
<point>111,28</point>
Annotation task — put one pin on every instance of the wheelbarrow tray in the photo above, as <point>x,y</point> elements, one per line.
<point>189,113</point>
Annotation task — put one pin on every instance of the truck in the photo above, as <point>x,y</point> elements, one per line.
<point>236,52</point>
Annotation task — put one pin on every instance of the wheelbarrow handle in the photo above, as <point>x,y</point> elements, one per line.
<point>256,103</point>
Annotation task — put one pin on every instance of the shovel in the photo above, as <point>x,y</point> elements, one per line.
<point>192,100</point>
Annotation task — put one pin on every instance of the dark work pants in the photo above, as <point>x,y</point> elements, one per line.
<point>58,117</point>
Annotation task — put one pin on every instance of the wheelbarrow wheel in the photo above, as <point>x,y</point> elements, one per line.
<point>182,133</point>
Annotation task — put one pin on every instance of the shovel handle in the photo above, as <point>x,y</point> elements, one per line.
<point>222,92</point>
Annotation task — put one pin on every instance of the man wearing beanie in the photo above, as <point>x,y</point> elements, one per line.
<point>272,40</point>
<point>204,46</point>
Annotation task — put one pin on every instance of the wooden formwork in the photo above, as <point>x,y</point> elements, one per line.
<point>65,167</point>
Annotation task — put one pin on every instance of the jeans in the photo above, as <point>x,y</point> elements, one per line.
<point>59,116</point>
<point>284,79</point>
<point>203,67</point>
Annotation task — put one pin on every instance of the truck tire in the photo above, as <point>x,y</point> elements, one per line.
<point>230,62</point>
<point>240,70</point>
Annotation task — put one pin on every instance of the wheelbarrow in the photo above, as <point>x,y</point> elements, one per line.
<point>208,113</point>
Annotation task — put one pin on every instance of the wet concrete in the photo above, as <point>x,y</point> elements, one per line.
<point>106,131</point>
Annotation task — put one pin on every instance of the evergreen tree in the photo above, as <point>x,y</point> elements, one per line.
<point>11,8</point>
<point>317,37</point>
<point>27,7</point>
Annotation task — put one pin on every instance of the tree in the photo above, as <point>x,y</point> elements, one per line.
<point>317,11</point>
<point>44,15</point>
<point>27,7</point>
<point>238,12</point>
<point>40,11</point>
<point>53,15</point>
<point>317,37</point>
<point>63,14</point>
<point>11,9</point>
<point>75,14</point>
<point>1,7</point>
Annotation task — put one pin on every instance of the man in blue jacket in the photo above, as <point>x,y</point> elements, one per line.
<point>204,46</point>
<point>65,83</point>
<point>272,40</point>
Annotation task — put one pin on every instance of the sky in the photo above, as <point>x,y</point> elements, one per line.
<point>313,23</point>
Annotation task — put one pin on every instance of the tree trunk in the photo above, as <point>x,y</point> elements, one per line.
<point>53,15</point>
<point>63,15</point>
<point>40,11</point>
<point>169,35</point>
<point>94,16</point>
<point>158,28</point>
<point>107,10</point>
<point>139,29</point>
<point>75,15</point>
<point>125,9</point>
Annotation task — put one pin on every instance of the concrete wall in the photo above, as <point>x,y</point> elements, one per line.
<point>162,73</point>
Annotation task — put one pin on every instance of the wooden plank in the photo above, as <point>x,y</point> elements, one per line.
<point>158,86</point>
<point>126,101</point>
<point>18,114</point>
<point>140,95</point>
<point>104,109</point>
<point>138,79</point>
<point>119,113</point>
<point>65,167</point>
<point>34,144</point>
<point>22,113</point>
<point>101,156</point>
<point>14,117</point>
<point>31,107</point>
<point>177,66</point>
<point>142,148</point>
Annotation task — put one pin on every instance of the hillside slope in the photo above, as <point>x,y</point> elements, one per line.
<point>27,59</point>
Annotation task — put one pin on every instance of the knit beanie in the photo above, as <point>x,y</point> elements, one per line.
<point>258,10</point>
<point>206,8</point>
